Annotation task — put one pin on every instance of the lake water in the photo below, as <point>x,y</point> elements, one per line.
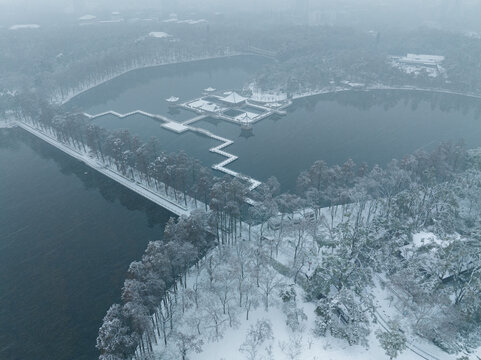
<point>147,89</point>
<point>68,234</point>
<point>67,237</point>
<point>145,127</point>
<point>371,127</point>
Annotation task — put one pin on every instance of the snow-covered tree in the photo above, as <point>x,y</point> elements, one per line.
<point>256,336</point>
<point>115,339</point>
<point>393,340</point>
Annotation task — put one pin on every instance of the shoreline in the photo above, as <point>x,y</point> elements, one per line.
<point>179,128</point>
<point>136,186</point>
<point>65,100</point>
<point>296,96</point>
<point>326,91</point>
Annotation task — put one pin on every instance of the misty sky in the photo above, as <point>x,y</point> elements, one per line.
<point>462,15</point>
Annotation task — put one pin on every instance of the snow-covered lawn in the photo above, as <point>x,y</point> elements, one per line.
<point>285,342</point>
<point>233,342</point>
<point>290,345</point>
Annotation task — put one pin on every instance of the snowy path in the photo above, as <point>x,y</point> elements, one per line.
<point>140,189</point>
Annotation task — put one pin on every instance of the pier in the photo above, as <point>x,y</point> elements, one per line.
<point>184,126</point>
<point>230,107</point>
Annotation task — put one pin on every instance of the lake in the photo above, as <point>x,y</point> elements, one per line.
<point>68,234</point>
<point>372,127</point>
<point>67,237</point>
<point>367,126</point>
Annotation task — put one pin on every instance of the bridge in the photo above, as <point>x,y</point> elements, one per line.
<point>182,127</point>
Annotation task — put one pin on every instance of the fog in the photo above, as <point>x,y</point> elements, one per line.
<point>462,15</point>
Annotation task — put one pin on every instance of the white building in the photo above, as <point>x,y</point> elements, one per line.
<point>234,99</point>
<point>420,59</point>
<point>416,64</point>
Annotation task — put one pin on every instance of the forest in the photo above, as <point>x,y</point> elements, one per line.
<point>305,59</point>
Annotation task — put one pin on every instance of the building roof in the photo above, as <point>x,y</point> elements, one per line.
<point>233,98</point>
<point>422,59</point>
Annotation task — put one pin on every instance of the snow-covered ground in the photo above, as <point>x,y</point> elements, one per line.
<point>287,342</point>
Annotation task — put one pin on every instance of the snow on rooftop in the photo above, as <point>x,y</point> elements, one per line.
<point>234,98</point>
<point>172,99</point>
<point>204,105</point>
<point>423,238</point>
<point>246,116</point>
<point>87,17</point>
<point>159,34</point>
<point>422,59</point>
<point>426,238</point>
<point>24,26</point>
<point>193,22</point>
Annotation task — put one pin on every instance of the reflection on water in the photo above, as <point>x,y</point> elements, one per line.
<point>67,236</point>
<point>371,127</point>
<point>144,127</point>
<point>147,89</point>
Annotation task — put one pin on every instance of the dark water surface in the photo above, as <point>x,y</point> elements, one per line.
<point>372,127</point>
<point>145,127</point>
<point>367,126</point>
<point>147,89</point>
<point>67,236</point>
